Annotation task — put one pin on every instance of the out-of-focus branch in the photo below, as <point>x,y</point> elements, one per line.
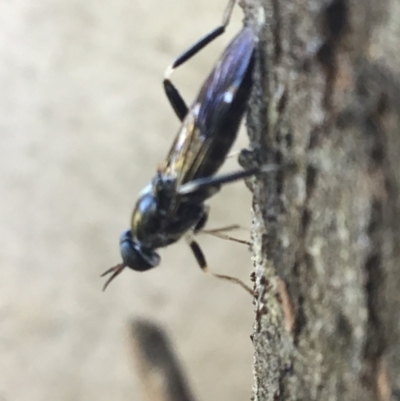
<point>159,374</point>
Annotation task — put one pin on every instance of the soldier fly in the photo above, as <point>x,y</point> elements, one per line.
<point>172,205</point>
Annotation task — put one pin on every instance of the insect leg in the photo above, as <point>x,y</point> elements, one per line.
<point>178,104</point>
<point>175,99</point>
<point>203,221</point>
<point>212,184</point>
<point>233,154</point>
<point>217,232</point>
<point>223,229</point>
<point>220,233</point>
<point>201,260</point>
<point>203,42</point>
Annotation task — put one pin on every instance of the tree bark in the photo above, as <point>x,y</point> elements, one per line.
<point>326,108</point>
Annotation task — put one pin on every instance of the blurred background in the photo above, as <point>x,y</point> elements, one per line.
<point>84,123</point>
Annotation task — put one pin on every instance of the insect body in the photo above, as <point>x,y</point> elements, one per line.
<point>172,204</point>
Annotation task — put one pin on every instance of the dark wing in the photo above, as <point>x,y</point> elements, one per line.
<point>210,128</point>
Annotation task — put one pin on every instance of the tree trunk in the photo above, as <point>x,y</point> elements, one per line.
<point>326,108</point>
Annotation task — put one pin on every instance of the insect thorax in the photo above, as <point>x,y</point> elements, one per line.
<point>160,218</point>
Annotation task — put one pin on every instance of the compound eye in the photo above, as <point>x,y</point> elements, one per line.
<point>134,256</point>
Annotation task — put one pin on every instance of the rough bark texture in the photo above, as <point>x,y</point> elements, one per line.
<point>326,103</point>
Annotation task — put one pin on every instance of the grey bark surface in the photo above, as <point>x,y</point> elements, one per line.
<point>326,102</point>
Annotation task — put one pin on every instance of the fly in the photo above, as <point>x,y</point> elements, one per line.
<point>172,205</point>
